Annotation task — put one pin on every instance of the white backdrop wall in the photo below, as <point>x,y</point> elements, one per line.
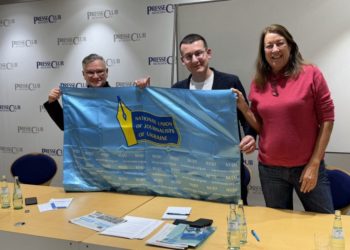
<point>42,44</point>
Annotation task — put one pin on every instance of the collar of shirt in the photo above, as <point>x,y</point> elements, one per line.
<point>205,85</point>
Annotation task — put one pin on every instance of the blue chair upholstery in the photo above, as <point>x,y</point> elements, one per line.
<point>34,168</point>
<point>340,187</point>
<point>247,175</point>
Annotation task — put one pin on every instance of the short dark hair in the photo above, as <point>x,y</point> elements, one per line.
<point>191,38</point>
<point>92,57</point>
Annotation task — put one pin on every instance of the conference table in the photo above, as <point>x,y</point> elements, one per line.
<point>52,228</point>
<point>277,229</point>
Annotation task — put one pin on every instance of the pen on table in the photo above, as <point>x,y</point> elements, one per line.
<point>176,214</point>
<point>255,235</point>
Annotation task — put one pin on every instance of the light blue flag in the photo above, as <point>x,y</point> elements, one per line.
<point>154,141</point>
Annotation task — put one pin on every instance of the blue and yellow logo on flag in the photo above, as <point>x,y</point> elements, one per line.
<point>141,125</point>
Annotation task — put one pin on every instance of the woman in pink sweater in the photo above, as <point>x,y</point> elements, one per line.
<point>293,113</point>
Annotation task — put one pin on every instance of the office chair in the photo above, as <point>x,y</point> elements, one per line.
<point>340,183</point>
<point>34,168</point>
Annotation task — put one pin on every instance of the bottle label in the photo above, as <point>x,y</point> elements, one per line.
<point>338,233</point>
<point>17,204</point>
<point>233,226</point>
<point>5,199</point>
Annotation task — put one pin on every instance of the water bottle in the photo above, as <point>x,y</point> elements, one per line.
<point>242,222</point>
<point>5,197</point>
<point>17,195</point>
<point>337,240</point>
<point>233,233</point>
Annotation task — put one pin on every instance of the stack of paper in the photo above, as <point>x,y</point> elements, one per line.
<point>55,204</point>
<point>133,228</point>
<point>173,213</point>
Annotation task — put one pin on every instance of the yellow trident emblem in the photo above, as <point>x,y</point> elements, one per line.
<point>124,117</point>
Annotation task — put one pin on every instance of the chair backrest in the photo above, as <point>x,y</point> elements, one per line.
<point>34,168</point>
<point>247,175</point>
<point>340,186</point>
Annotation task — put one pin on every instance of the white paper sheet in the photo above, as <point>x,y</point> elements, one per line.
<point>173,213</point>
<point>61,203</point>
<point>133,228</point>
<point>45,207</point>
<point>54,204</point>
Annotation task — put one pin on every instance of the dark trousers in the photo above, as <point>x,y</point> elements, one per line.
<point>278,183</point>
<point>244,187</point>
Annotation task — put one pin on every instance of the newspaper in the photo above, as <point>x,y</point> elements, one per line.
<point>97,221</point>
<point>156,240</point>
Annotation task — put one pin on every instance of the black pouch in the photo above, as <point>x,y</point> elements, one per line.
<point>30,201</point>
<point>202,222</point>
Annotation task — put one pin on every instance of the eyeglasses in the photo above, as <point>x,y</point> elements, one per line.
<point>198,54</point>
<point>98,72</point>
<point>279,44</point>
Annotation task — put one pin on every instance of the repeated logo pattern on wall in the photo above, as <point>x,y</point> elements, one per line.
<point>42,45</point>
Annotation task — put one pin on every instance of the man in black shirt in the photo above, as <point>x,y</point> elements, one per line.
<point>95,73</point>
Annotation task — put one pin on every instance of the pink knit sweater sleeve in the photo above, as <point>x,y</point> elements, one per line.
<point>323,101</point>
